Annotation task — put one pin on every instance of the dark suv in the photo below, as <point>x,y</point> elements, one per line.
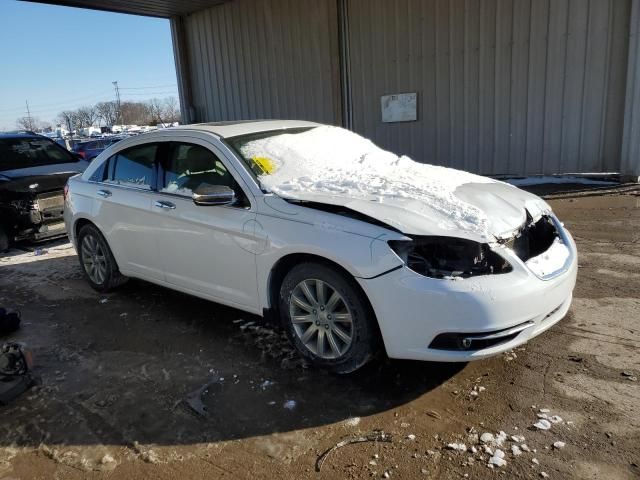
<point>33,173</point>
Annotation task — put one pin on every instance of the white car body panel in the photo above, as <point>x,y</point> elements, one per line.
<point>482,304</point>
<point>228,254</point>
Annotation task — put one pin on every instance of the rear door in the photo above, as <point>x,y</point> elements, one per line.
<point>123,209</point>
<point>205,249</point>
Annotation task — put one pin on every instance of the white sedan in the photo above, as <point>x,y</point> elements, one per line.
<point>353,249</point>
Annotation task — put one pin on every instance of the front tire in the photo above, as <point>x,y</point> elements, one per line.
<point>327,318</point>
<point>97,262</point>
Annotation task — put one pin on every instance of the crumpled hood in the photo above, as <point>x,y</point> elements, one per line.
<point>503,206</point>
<point>338,167</point>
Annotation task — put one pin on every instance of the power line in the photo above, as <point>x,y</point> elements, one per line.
<point>149,87</point>
<point>66,106</point>
<point>57,102</point>
<point>152,93</point>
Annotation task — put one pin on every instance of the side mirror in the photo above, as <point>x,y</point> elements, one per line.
<point>214,195</point>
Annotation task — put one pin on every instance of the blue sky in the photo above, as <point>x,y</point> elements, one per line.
<point>61,58</point>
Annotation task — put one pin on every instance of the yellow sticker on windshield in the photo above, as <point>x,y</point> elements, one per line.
<point>264,164</point>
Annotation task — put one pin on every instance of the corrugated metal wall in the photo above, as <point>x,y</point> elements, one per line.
<point>504,86</point>
<point>264,59</point>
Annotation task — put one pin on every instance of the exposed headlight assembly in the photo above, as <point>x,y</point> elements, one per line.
<point>448,257</point>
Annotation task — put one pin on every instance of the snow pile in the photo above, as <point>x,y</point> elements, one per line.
<point>550,261</point>
<point>333,161</point>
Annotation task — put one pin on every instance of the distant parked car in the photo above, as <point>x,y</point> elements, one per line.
<point>353,248</point>
<point>91,149</point>
<point>33,172</point>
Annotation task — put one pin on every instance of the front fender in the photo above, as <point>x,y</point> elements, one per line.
<point>361,255</point>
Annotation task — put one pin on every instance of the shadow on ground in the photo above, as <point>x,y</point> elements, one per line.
<point>115,369</point>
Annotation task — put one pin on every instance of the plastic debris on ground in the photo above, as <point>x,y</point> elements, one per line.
<point>375,436</point>
<point>290,404</point>
<point>9,321</point>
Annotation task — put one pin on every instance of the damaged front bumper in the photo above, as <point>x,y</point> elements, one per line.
<point>39,217</point>
<point>430,319</point>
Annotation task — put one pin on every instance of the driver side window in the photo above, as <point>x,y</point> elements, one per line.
<point>191,166</point>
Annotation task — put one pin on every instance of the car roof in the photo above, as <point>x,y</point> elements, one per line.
<point>246,127</point>
<point>20,135</point>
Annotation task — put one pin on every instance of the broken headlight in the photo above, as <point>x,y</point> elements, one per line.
<point>446,257</point>
<point>24,205</point>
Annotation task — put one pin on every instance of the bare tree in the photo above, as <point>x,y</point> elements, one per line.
<point>26,123</point>
<point>108,112</point>
<point>151,112</point>
<point>86,116</point>
<point>134,113</point>
<point>68,119</point>
<point>155,111</point>
<point>171,109</point>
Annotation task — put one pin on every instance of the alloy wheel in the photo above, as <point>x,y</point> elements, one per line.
<point>321,319</point>
<point>94,259</point>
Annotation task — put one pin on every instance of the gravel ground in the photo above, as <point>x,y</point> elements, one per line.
<point>116,370</point>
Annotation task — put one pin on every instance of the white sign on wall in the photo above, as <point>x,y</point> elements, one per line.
<point>399,107</point>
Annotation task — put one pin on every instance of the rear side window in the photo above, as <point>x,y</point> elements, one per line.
<point>134,167</point>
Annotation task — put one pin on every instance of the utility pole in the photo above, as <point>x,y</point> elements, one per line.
<point>29,116</point>
<point>115,85</point>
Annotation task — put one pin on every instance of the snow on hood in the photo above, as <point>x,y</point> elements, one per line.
<point>336,166</point>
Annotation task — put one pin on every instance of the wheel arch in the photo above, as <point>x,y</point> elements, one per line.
<point>81,222</point>
<point>285,264</point>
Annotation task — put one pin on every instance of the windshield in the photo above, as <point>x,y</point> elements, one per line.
<point>256,164</point>
<point>17,153</point>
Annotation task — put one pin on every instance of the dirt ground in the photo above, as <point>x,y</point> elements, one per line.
<point>116,370</point>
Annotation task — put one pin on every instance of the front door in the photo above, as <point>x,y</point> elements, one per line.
<point>205,249</point>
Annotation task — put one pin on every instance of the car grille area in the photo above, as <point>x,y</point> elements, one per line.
<point>534,238</point>
<point>50,205</point>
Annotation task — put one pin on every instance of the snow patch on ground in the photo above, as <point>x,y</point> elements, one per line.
<point>550,261</point>
<point>334,161</point>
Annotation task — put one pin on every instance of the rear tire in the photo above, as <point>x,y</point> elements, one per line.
<point>96,260</point>
<point>327,318</point>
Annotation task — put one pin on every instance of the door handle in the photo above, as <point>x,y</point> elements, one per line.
<point>104,193</point>
<point>165,205</point>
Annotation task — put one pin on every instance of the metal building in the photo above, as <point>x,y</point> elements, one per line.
<point>495,86</point>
